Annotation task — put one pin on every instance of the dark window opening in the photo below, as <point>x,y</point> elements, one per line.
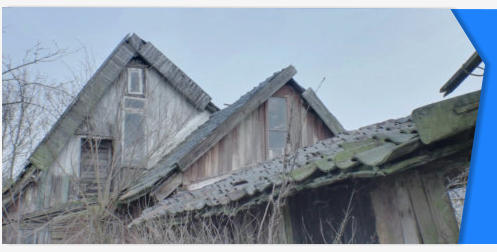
<point>95,165</point>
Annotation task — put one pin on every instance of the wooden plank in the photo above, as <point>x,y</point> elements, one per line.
<point>407,218</point>
<point>421,209</point>
<point>328,118</point>
<point>388,225</point>
<point>440,207</point>
<point>168,186</point>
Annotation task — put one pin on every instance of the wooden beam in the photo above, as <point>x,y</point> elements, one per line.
<point>324,114</point>
<point>168,186</point>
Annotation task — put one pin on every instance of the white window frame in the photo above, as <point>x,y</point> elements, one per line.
<point>140,78</point>
<point>123,126</point>
<point>137,110</point>
<point>269,150</point>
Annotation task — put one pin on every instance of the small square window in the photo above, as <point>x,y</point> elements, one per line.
<point>135,81</point>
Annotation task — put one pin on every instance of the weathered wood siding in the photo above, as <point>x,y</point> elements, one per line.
<point>332,214</point>
<point>414,207</point>
<point>246,144</point>
<point>169,118</point>
<point>411,207</point>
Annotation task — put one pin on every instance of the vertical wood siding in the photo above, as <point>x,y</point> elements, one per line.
<point>413,207</point>
<point>246,144</point>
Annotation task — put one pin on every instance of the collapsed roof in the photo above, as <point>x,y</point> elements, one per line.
<point>430,133</point>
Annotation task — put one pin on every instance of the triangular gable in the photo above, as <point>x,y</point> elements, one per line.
<point>219,125</point>
<point>130,47</point>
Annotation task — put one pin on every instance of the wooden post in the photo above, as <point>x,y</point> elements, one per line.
<point>285,232</point>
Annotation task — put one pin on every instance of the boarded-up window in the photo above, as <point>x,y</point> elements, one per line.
<point>133,139</point>
<point>135,81</point>
<point>96,159</point>
<point>277,126</point>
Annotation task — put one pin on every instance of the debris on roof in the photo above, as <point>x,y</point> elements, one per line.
<point>372,151</point>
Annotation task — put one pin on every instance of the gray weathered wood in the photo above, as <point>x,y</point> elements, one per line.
<point>328,118</point>
<point>262,95</point>
<point>175,76</point>
<point>407,219</point>
<point>441,208</point>
<point>388,221</point>
<point>421,208</point>
<point>168,186</point>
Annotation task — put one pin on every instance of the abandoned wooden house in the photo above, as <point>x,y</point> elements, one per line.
<point>145,138</point>
<point>139,117</point>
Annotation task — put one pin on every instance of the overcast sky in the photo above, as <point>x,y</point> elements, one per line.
<point>378,63</point>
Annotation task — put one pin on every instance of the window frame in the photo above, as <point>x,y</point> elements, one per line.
<point>85,139</point>
<point>269,130</point>
<point>124,160</point>
<point>141,78</point>
<point>131,109</point>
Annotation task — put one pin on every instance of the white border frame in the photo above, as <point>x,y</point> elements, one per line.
<point>140,77</point>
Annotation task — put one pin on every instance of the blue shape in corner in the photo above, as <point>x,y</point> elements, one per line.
<point>479,222</point>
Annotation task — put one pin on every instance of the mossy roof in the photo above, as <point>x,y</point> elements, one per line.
<point>376,150</point>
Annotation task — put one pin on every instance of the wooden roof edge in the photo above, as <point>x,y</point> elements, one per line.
<point>274,84</point>
<point>177,77</point>
<point>324,114</point>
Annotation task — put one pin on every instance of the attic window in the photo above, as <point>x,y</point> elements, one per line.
<point>277,126</point>
<point>135,81</point>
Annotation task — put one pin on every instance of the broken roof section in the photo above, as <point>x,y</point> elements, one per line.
<point>130,47</point>
<point>220,124</point>
<point>372,151</point>
<point>464,71</point>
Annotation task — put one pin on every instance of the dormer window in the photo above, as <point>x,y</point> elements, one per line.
<point>135,81</point>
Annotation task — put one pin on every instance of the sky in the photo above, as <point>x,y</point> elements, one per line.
<point>377,64</point>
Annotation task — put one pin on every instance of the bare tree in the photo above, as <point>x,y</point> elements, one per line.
<point>30,103</point>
